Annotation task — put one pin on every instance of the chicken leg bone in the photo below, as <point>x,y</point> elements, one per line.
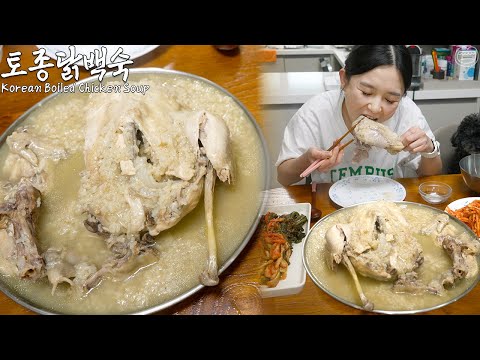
<point>209,276</point>
<point>367,304</point>
<point>336,239</point>
<point>214,138</point>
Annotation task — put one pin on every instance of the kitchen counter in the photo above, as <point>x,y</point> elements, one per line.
<point>291,88</point>
<point>298,87</point>
<point>448,89</point>
<point>340,54</point>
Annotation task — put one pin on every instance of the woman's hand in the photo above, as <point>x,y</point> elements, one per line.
<point>416,140</point>
<point>290,170</point>
<point>331,158</point>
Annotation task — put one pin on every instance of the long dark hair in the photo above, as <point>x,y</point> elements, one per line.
<point>364,58</point>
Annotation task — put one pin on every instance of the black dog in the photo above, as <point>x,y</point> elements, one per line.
<point>466,141</point>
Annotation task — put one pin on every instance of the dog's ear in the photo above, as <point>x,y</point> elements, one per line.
<point>454,139</point>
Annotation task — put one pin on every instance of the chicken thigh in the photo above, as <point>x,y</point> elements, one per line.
<point>370,133</point>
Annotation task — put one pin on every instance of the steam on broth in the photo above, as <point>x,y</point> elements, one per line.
<point>151,279</point>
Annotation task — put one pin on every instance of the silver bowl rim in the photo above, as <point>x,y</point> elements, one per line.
<point>380,311</point>
<point>266,159</point>
<point>462,160</point>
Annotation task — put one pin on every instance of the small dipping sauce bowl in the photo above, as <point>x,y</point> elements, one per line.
<point>435,192</point>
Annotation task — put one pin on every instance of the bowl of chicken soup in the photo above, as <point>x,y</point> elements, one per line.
<point>127,197</point>
<point>392,257</point>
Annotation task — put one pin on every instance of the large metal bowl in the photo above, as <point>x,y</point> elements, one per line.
<point>10,289</point>
<point>314,242</point>
<point>470,169</point>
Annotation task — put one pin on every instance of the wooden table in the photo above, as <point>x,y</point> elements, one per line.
<point>312,300</point>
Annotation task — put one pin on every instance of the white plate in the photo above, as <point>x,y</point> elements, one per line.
<point>134,51</point>
<point>460,203</point>
<point>296,274</point>
<point>358,189</point>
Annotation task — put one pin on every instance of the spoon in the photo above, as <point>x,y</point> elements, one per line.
<point>315,213</point>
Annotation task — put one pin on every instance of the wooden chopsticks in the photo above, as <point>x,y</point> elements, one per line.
<point>349,131</point>
<point>318,163</point>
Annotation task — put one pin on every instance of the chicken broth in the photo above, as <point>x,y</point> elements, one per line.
<point>148,280</point>
<point>380,293</point>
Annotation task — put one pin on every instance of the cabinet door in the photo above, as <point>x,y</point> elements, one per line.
<point>278,66</point>
<point>443,112</point>
<point>302,64</point>
<point>275,119</point>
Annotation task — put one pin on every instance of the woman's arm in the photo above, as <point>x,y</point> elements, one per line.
<point>288,172</point>
<point>417,141</point>
<point>431,166</point>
